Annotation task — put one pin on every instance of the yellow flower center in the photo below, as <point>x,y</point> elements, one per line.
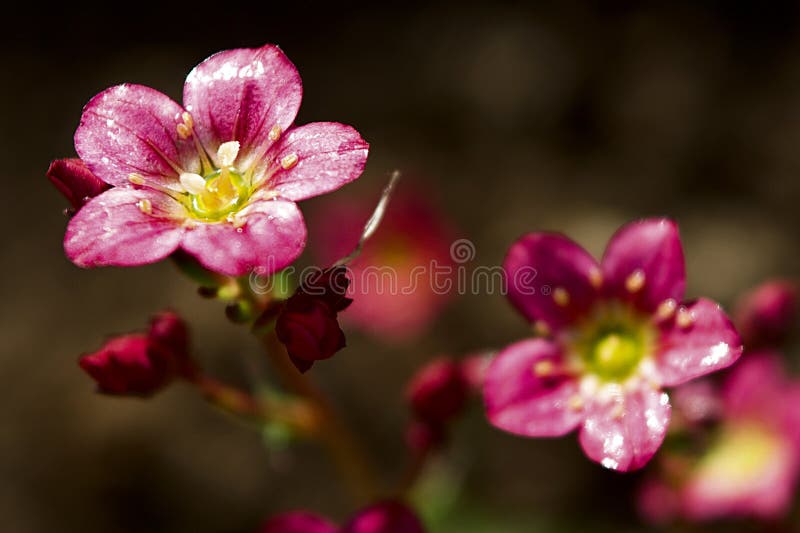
<point>225,191</point>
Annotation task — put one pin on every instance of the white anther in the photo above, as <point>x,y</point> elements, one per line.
<point>145,206</point>
<point>227,152</point>
<point>194,183</point>
<point>289,161</point>
<point>275,133</point>
<point>666,309</point>
<point>635,282</point>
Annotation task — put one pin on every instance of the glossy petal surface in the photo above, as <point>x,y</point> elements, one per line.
<point>708,343</point>
<point>132,129</point>
<point>273,235</point>
<point>522,402</point>
<point>624,432</point>
<point>241,95</point>
<point>111,230</point>
<point>543,267</point>
<point>649,248</point>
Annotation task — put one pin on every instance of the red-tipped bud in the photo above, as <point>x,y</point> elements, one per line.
<point>438,391</point>
<point>767,314</point>
<point>139,364</point>
<point>75,181</point>
<point>308,324</point>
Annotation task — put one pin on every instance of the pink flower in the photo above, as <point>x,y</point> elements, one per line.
<point>308,324</point>
<point>218,177</point>
<point>396,291</point>
<point>613,335</point>
<point>75,181</point>
<point>141,364</point>
<point>385,517</point>
<point>752,466</point>
<point>766,315</point>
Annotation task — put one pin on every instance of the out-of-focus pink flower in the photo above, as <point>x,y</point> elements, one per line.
<point>384,517</point>
<point>217,177</point>
<point>308,324</point>
<point>614,334</point>
<point>752,466</point>
<point>142,364</point>
<point>75,181</point>
<point>404,275</point>
<point>438,391</point>
<point>767,314</point>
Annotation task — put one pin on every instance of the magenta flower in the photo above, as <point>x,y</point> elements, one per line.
<point>140,364</point>
<point>385,517</point>
<point>613,335</point>
<point>217,177</point>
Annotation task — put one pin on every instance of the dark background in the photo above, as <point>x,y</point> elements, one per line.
<point>566,115</point>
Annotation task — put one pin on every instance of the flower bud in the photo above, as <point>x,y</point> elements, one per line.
<point>308,324</point>
<point>75,181</point>
<point>438,391</point>
<point>141,364</point>
<point>766,315</point>
<point>385,517</point>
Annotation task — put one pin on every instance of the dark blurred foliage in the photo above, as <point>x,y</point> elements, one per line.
<point>562,115</point>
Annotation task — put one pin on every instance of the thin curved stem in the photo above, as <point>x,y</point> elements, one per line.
<point>345,449</point>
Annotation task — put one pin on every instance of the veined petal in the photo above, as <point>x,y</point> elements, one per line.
<point>249,95</point>
<point>298,522</point>
<point>124,227</point>
<point>314,159</point>
<point>132,129</point>
<point>527,392</point>
<point>273,235</point>
<point>624,432</point>
<point>643,263</point>
<point>699,339</point>
<point>385,517</point>
<point>550,278</point>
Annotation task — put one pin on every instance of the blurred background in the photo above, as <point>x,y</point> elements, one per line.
<point>567,115</point>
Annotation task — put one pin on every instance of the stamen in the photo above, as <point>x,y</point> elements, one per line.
<point>289,161</point>
<point>136,179</point>
<point>543,369</point>
<point>684,319</point>
<point>596,278</point>
<point>275,133</point>
<point>237,221</point>
<point>635,282</point>
<point>575,403</point>
<point>541,328</point>
<point>561,296</point>
<point>618,412</point>
<point>227,152</point>
<point>666,309</point>
<point>185,128</point>
<point>194,183</point>
<point>187,119</point>
<point>145,206</point>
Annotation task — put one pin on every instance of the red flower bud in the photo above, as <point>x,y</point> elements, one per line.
<point>308,325</point>
<point>766,315</point>
<point>139,364</point>
<point>438,391</point>
<point>75,181</point>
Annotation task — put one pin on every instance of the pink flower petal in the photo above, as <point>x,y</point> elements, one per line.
<point>112,229</point>
<point>755,386</point>
<point>522,402</point>
<point>314,159</point>
<point>643,263</point>
<point>132,129</point>
<point>708,342</point>
<point>386,517</point>
<point>241,95</point>
<point>624,432</point>
<point>273,236</point>
<point>549,278</point>
<point>298,522</point>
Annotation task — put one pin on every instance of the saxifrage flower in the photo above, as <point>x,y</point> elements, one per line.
<point>217,177</point>
<point>385,517</point>
<point>612,335</point>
